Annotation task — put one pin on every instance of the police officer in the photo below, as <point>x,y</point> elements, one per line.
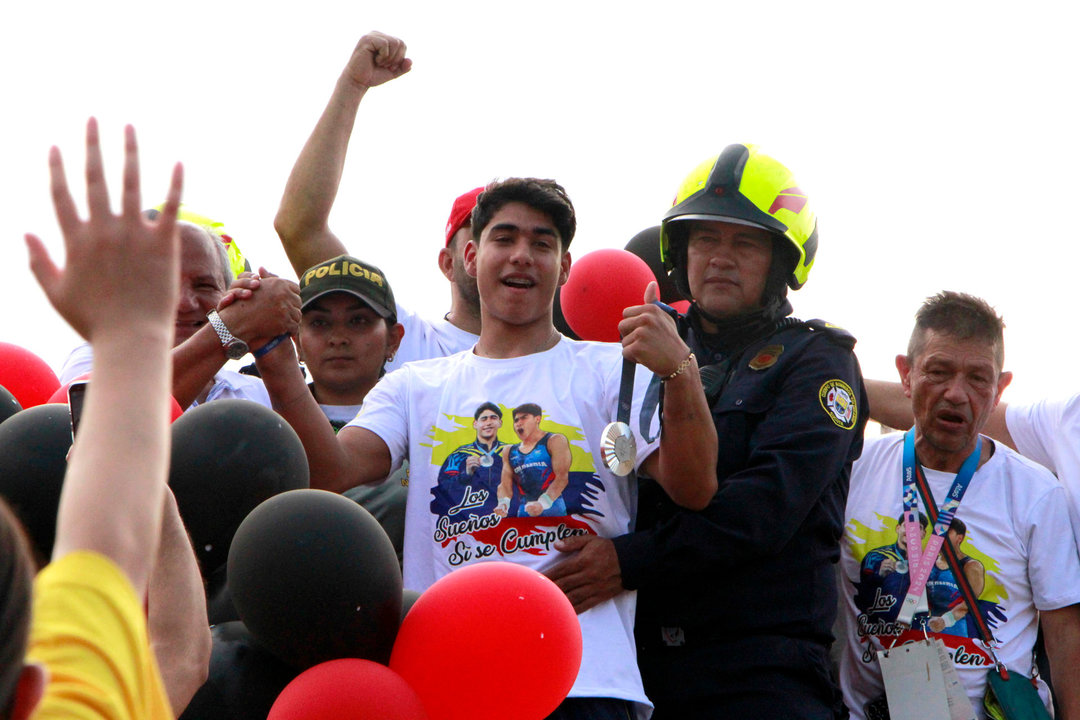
<point>736,603</point>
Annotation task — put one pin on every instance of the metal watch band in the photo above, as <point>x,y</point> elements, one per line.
<point>235,348</point>
<point>222,330</point>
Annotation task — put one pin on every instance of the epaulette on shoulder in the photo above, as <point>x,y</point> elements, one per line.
<point>837,334</point>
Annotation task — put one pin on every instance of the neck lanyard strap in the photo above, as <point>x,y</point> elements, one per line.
<point>920,562</point>
<point>954,563</point>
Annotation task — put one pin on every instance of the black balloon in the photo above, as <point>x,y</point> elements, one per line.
<point>227,457</point>
<point>408,599</point>
<point>315,578</point>
<point>219,604</point>
<point>646,245</point>
<point>8,404</point>
<point>33,459</point>
<point>244,679</point>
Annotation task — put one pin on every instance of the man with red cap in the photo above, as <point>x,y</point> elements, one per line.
<point>301,220</point>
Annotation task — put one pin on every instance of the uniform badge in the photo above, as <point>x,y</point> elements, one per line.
<point>838,401</point>
<point>766,357</point>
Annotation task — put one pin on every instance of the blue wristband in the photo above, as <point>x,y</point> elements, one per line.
<point>268,346</point>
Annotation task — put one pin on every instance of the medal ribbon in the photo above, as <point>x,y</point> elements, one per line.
<point>921,561</point>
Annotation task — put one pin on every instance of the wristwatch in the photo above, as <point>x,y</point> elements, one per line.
<point>235,348</point>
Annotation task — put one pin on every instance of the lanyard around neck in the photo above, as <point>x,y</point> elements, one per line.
<point>920,562</point>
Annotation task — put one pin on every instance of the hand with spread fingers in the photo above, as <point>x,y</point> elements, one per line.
<point>94,292</point>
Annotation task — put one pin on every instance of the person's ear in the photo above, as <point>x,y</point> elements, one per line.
<point>564,269</point>
<point>394,339</point>
<point>471,249</point>
<point>446,263</point>
<point>1004,378</point>
<point>904,368</point>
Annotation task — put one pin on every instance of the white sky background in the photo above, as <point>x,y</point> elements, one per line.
<point>937,141</point>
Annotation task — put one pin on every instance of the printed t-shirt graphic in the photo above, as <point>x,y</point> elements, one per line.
<point>469,480</point>
<point>533,475</point>
<point>465,497</point>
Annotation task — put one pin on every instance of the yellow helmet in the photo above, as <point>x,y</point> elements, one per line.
<point>742,185</point>
<point>237,262</point>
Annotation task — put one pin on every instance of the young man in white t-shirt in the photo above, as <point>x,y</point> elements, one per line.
<point>1007,530</point>
<point>519,256</point>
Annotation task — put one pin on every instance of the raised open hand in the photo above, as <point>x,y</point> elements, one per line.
<point>119,269</point>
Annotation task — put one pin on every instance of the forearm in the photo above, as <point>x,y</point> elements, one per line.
<point>1061,632</point>
<point>124,438</point>
<point>302,218</point>
<point>177,621</point>
<point>195,362</point>
<point>888,404</point>
<point>684,464</point>
<point>328,463</point>
<point>555,489</point>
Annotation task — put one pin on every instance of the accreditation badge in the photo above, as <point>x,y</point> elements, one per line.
<point>921,682</point>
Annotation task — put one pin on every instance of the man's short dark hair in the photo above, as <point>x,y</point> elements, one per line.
<point>528,409</point>
<point>487,406</point>
<point>547,196</point>
<point>959,315</point>
<point>957,526</point>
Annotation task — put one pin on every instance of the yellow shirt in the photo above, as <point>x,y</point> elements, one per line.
<point>89,630</point>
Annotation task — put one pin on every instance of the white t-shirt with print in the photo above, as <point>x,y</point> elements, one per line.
<point>1048,432</point>
<point>424,412</point>
<point>425,339</point>
<point>1015,516</point>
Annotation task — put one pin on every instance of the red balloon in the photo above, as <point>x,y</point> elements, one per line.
<point>683,306</point>
<point>26,376</point>
<point>347,688</point>
<point>601,285</point>
<point>488,623</point>
<point>61,396</point>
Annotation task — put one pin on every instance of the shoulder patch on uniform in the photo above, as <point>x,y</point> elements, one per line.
<point>838,402</point>
<point>766,357</point>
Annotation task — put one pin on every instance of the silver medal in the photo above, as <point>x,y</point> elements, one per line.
<point>618,448</point>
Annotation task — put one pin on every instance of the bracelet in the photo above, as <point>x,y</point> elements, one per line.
<point>545,501</point>
<point>268,346</point>
<point>504,502</point>
<point>678,371</point>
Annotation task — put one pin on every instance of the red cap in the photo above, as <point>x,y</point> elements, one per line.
<point>460,213</point>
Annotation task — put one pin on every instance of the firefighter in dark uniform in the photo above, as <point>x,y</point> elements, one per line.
<point>736,602</point>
